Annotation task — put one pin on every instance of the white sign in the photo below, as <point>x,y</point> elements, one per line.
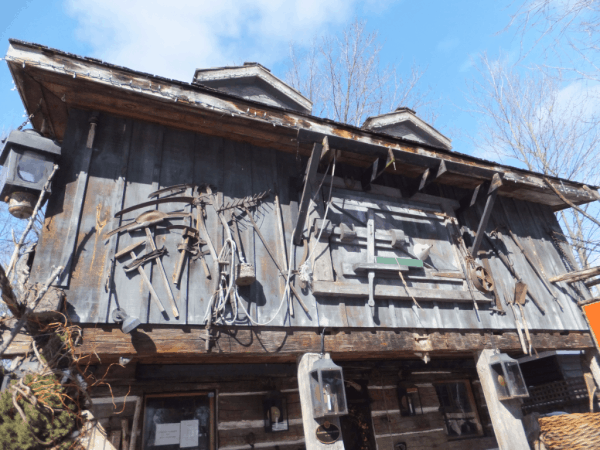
<point>189,433</point>
<point>167,434</point>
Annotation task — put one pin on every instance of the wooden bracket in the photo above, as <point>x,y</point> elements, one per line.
<point>309,180</point>
<point>376,169</point>
<point>429,176</point>
<point>489,205</point>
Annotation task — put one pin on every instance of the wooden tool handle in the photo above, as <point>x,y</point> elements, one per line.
<point>179,266</point>
<point>153,293</point>
<point>164,275</point>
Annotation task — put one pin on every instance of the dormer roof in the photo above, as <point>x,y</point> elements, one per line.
<point>253,81</point>
<point>404,122</point>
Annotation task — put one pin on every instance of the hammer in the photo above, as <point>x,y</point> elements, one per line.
<point>188,235</point>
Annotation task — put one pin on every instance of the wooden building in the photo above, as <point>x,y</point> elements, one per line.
<point>400,252</point>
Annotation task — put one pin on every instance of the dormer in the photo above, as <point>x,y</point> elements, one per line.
<point>404,122</point>
<point>255,82</point>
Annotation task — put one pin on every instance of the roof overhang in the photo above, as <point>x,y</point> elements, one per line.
<point>51,82</point>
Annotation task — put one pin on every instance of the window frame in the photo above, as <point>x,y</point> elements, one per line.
<point>475,411</point>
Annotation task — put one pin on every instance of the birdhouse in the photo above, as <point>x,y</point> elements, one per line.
<point>27,160</point>
<point>327,389</point>
<point>507,377</point>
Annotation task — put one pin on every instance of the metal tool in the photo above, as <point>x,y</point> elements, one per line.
<point>371,256</point>
<point>271,254</point>
<point>177,189</point>
<point>488,268</point>
<point>481,278</point>
<point>520,297</point>
<point>282,243</point>
<point>130,251</point>
<point>245,273</point>
<point>189,237</point>
<point>129,323</point>
<point>247,202</point>
<point>184,199</point>
<point>147,219</point>
<point>143,259</point>
<point>509,301</point>
<point>150,240</point>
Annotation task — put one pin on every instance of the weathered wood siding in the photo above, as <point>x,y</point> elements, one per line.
<point>132,159</point>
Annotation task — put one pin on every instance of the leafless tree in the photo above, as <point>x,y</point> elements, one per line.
<point>568,30</point>
<point>343,76</point>
<point>534,120</point>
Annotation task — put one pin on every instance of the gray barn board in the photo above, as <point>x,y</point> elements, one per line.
<point>133,159</point>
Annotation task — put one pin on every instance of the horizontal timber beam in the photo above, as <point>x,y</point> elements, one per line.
<point>187,344</point>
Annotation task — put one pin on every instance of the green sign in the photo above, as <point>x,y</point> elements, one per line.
<point>400,261</point>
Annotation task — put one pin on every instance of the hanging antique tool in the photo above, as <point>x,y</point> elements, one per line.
<point>272,255</point>
<point>177,189</point>
<point>247,202</point>
<point>130,251</point>
<point>534,266</point>
<point>282,244</point>
<point>481,278</point>
<point>510,302</point>
<point>147,219</point>
<point>520,297</point>
<point>150,240</point>
<point>371,257</point>
<point>488,268</point>
<point>245,274</point>
<point>190,243</point>
<point>510,268</point>
<point>159,201</point>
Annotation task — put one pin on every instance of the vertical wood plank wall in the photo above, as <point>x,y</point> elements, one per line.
<point>131,159</point>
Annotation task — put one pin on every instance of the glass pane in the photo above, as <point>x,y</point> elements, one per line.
<point>516,381</point>
<point>500,382</point>
<point>333,391</point>
<point>30,168</point>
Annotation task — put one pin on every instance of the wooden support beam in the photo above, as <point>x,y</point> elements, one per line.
<point>577,275</point>
<point>506,415</point>
<point>428,177</point>
<point>469,200</point>
<point>375,170</point>
<point>592,283</point>
<point>489,205</point>
<point>185,345</point>
<point>309,180</point>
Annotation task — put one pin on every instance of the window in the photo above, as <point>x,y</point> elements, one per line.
<point>457,405</point>
<point>181,420</point>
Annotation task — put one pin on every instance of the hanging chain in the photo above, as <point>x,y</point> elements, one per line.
<point>20,127</point>
<point>29,117</point>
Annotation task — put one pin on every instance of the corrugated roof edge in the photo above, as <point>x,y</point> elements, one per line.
<point>316,118</point>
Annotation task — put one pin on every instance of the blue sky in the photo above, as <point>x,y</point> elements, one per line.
<point>173,38</point>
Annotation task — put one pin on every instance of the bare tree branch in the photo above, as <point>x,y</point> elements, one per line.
<point>528,118</point>
<point>342,75</point>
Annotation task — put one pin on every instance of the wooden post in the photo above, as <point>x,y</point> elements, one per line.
<point>506,415</point>
<point>309,422</point>
<point>309,180</point>
<point>489,205</point>
<point>592,363</point>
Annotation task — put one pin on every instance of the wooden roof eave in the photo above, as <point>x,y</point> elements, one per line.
<point>50,82</point>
